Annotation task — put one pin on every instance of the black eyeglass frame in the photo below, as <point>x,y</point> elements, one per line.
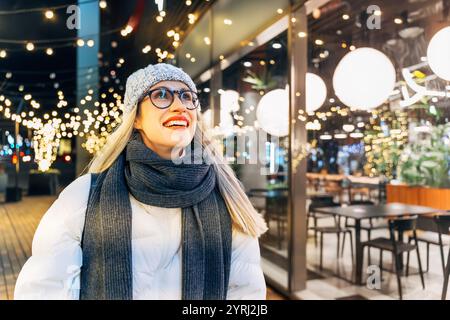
<point>196,101</point>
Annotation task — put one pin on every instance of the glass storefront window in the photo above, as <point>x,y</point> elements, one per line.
<point>366,92</point>
<point>254,102</point>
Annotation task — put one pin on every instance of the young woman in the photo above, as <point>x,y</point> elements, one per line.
<point>152,219</point>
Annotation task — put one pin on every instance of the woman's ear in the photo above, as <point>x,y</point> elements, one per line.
<point>137,119</point>
<point>137,123</point>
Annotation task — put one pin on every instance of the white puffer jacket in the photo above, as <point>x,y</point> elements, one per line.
<point>53,270</point>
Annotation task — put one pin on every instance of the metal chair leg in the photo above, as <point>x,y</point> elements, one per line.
<point>380,262</point>
<point>420,266</point>
<point>428,257</point>
<point>338,244</point>
<point>441,247</point>
<point>446,276</point>
<point>315,231</point>
<point>321,250</point>
<point>397,272</point>
<point>407,259</point>
<point>343,244</point>
<point>368,252</point>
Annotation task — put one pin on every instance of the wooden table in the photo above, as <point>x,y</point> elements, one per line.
<point>361,212</point>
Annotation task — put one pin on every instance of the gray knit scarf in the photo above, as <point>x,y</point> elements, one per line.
<point>206,224</point>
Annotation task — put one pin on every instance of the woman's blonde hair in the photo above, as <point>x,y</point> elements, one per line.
<point>243,215</point>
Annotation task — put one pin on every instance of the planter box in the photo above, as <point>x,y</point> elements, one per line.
<point>42,183</point>
<point>422,196</point>
<point>13,194</point>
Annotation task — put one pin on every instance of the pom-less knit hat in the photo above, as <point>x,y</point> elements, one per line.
<point>139,82</point>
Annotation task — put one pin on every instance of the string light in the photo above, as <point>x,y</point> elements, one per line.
<point>30,46</point>
<point>90,43</point>
<point>2,54</point>
<point>80,42</point>
<point>191,18</point>
<point>102,4</point>
<point>49,14</point>
<point>126,31</point>
<point>146,49</point>
<point>276,45</point>
<point>49,51</point>
<point>319,42</point>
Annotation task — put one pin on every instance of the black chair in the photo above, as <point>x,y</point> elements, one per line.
<point>434,238</point>
<point>318,202</point>
<point>396,245</point>
<point>367,225</point>
<point>338,230</point>
<point>276,210</point>
<point>276,201</point>
<point>443,223</point>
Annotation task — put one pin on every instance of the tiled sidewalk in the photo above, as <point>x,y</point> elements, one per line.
<point>18,221</point>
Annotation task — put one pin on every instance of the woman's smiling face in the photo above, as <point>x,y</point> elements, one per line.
<point>162,130</point>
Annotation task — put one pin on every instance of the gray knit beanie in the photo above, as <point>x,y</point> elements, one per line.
<point>139,82</point>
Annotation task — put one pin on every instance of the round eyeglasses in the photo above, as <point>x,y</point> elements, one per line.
<point>163,97</point>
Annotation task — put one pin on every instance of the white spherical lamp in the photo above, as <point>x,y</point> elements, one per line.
<point>438,53</point>
<point>273,112</point>
<point>316,92</point>
<point>364,78</point>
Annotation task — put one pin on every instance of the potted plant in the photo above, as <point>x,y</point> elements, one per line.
<point>424,171</point>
